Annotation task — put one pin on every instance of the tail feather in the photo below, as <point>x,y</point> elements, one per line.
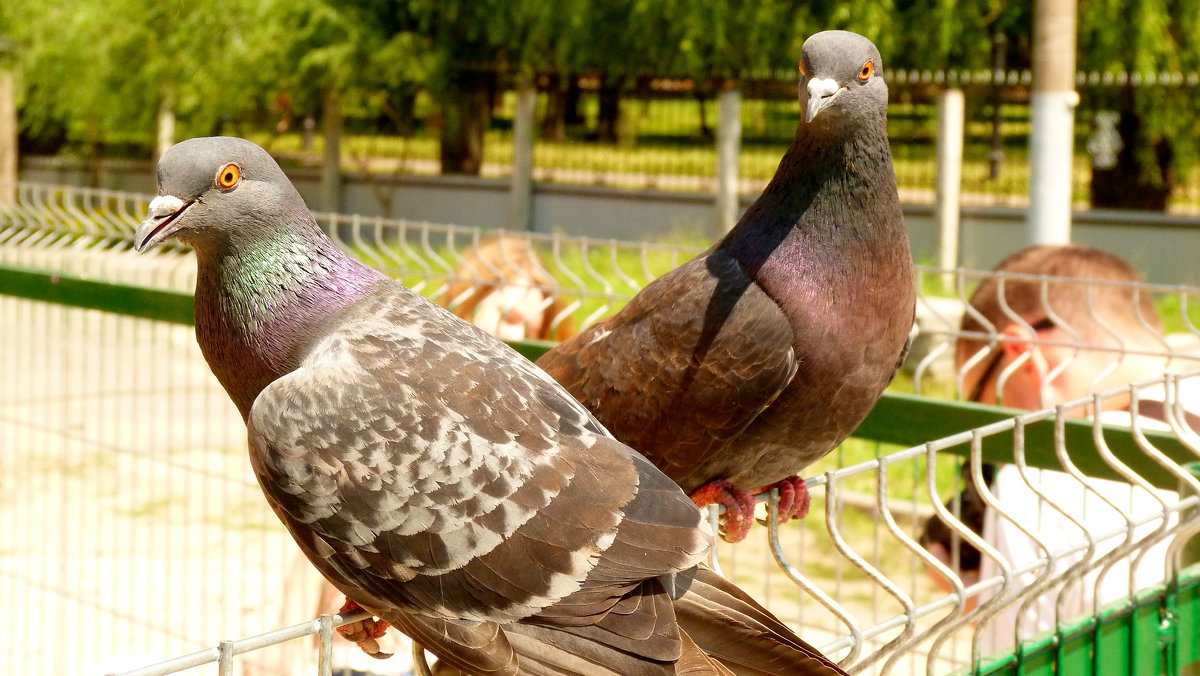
<point>734,629</point>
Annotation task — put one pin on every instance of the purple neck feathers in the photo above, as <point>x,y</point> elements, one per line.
<point>260,304</point>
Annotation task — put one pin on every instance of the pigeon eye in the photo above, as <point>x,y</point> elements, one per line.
<point>229,176</point>
<point>866,71</point>
<point>802,70</point>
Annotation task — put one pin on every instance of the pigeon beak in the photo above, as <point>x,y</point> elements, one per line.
<point>821,92</point>
<point>161,223</point>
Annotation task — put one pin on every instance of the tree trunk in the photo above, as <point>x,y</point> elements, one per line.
<point>571,114</point>
<point>407,107</point>
<point>465,115</point>
<point>1141,178</point>
<point>608,117</point>
<point>554,124</point>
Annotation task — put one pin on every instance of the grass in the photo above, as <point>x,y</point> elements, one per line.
<point>666,143</point>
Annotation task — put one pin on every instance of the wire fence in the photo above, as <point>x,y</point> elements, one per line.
<point>658,133</point>
<point>141,535</point>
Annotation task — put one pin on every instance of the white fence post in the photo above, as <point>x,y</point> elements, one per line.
<point>521,204</point>
<point>8,127</point>
<point>950,110</point>
<point>729,142</point>
<point>1052,138</point>
<point>165,136</point>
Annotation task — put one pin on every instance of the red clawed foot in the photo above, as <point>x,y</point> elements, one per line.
<point>364,632</point>
<point>794,499</point>
<point>739,508</point>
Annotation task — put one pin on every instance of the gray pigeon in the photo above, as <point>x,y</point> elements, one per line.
<point>741,367</point>
<point>433,475</point>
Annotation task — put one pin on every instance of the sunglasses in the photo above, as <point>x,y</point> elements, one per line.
<point>994,364</point>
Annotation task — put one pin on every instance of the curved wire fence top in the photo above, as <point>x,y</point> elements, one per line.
<point>858,581</point>
<point>523,285</point>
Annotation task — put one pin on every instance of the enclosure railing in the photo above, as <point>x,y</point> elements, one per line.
<point>142,535</point>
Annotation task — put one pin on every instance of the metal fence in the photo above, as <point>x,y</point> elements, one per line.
<point>662,135</point>
<point>140,534</point>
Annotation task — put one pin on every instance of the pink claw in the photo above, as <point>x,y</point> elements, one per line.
<point>739,507</point>
<point>794,499</point>
<point>364,633</point>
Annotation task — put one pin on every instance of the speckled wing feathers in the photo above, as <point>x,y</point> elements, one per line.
<point>481,486</point>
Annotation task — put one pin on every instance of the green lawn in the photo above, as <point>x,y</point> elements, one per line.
<point>664,144</point>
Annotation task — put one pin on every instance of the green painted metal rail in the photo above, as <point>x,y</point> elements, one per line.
<point>1155,634</point>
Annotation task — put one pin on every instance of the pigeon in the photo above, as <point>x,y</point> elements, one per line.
<point>434,476</point>
<point>744,365</point>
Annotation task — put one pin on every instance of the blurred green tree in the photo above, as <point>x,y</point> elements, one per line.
<point>1146,37</point>
<point>97,74</point>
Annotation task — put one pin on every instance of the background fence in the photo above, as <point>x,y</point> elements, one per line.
<point>140,534</point>
<point>663,135</point>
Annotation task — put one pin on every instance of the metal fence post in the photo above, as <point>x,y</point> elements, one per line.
<point>729,141</point>
<point>1053,116</point>
<point>951,117</point>
<point>331,163</point>
<point>521,204</point>
<point>165,137</point>
<point>8,127</point>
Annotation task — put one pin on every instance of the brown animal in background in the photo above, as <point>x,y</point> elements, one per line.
<point>502,287</point>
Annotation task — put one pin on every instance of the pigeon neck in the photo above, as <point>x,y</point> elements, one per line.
<point>261,303</point>
<point>832,190</point>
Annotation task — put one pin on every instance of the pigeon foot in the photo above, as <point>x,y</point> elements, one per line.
<point>794,499</point>
<point>364,633</point>
<point>735,523</point>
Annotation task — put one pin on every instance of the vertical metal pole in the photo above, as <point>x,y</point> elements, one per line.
<point>521,205</point>
<point>729,142</point>
<point>8,128</point>
<point>166,126</point>
<point>949,177</point>
<point>331,163</point>
<point>225,658</point>
<point>1053,113</point>
<point>325,646</point>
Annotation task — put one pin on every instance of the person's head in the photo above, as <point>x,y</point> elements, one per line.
<point>502,287</point>
<point>1044,304</point>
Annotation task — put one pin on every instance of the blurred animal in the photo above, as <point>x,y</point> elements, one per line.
<point>502,287</point>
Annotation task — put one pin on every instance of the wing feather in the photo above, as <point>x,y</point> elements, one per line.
<point>685,367</point>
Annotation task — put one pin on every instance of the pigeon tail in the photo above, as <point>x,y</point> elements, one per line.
<point>736,631</point>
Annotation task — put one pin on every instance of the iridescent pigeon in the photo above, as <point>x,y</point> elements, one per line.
<point>434,476</point>
<point>738,369</point>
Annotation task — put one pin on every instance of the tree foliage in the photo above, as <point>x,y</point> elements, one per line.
<point>95,72</point>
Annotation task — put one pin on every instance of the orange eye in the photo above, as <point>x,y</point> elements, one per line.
<point>802,71</point>
<point>866,71</point>
<point>229,176</point>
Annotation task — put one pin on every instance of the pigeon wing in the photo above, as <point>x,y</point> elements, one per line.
<point>685,367</point>
<point>426,468</point>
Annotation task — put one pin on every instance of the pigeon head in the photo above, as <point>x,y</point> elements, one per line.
<point>212,189</point>
<point>842,72</point>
